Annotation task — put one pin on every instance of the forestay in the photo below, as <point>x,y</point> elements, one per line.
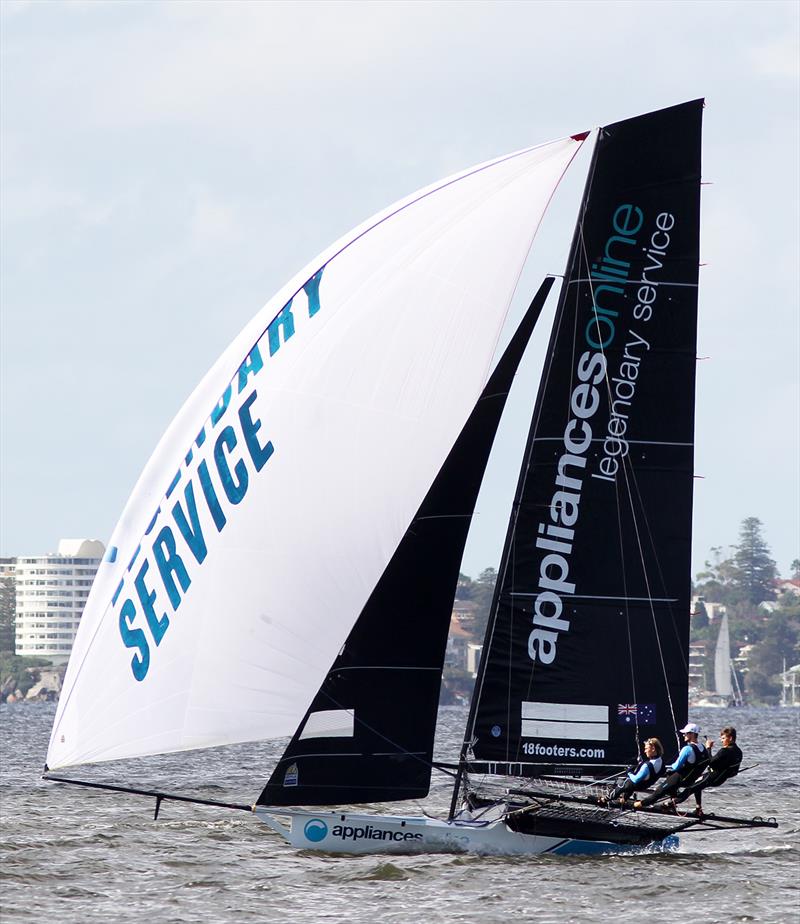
<point>272,505</point>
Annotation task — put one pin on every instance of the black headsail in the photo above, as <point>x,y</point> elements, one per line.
<point>586,649</point>
<point>368,735</point>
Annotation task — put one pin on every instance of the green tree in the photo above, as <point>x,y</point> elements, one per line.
<point>18,673</point>
<point>484,592</point>
<point>700,615</point>
<point>699,623</point>
<point>746,624</point>
<point>466,588</point>
<point>779,644</point>
<point>717,583</point>
<point>755,571</point>
<point>795,569</point>
<point>789,605</point>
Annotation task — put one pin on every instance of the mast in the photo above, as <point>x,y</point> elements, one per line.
<point>587,642</point>
<point>494,608</point>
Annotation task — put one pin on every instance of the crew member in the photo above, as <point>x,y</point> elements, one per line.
<point>644,774</point>
<point>692,759</point>
<point>723,766</point>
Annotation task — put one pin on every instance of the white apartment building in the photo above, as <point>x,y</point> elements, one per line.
<point>51,594</point>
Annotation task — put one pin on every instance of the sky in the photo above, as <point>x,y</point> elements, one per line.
<point>166,167</point>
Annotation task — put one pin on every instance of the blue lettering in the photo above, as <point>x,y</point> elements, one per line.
<point>147,597</point>
<point>222,405</point>
<point>609,259</point>
<point>169,563</point>
<point>212,500</point>
<point>311,288</point>
<point>192,534</point>
<point>199,440</point>
<point>134,638</point>
<point>235,490</point>
<point>151,525</point>
<point>624,222</point>
<point>251,366</point>
<point>597,321</point>
<point>283,321</point>
<point>135,555</point>
<point>117,592</point>
<point>617,290</point>
<point>258,453</point>
<point>174,483</point>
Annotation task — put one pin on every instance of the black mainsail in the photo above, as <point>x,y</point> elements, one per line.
<point>586,649</point>
<point>368,734</point>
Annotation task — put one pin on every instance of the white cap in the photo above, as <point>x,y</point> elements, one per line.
<point>690,727</point>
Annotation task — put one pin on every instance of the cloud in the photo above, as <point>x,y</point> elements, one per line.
<point>213,221</point>
<point>15,7</point>
<point>167,165</point>
<point>778,58</point>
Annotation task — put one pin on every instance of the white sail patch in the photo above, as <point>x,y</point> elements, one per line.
<point>569,721</point>
<point>272,505</point>
<point>329,723</point>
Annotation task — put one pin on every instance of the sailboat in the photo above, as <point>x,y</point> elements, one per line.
<point>287,562</point>
<point>727,691</point>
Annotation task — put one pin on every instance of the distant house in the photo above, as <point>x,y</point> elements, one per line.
<point>458,642</point>
<point>790,686</point>
<point>791,586</point>
<point>464,612</point>
<point>713,610</point>
<point>473,658</point>
<point>698,655</point>
<point>743,658</point>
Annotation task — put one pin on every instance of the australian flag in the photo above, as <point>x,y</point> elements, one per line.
<point>636,713</point>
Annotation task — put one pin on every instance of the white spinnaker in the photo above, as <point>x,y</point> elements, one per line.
<point>723,684</point>
<point>361,397</point>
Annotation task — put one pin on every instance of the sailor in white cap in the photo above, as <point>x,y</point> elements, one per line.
<point>692,759</point>
<point>721,767</point>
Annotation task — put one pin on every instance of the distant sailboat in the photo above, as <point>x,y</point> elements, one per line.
<point>726,681</point>
<point>287,563</point>
<point>727,691</point>
<point>723,684</point>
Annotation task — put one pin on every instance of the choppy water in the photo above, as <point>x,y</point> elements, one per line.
<point>75,855</point>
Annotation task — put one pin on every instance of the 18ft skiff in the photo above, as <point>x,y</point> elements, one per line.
<point>287,562</point>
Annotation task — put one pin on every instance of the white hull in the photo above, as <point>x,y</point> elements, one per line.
<point>353,833</point>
